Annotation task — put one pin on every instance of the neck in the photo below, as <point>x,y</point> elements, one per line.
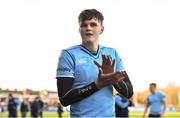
<point>92,47</point>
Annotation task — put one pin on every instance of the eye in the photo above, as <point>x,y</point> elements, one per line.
<point>83,25</point>
<point>93,24</point>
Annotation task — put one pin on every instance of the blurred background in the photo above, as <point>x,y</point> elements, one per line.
<point>146,35</point>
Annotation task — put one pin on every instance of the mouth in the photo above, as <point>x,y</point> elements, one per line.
<point>89,34</point>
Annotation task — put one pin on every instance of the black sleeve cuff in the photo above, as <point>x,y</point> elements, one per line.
<point>124,88</point>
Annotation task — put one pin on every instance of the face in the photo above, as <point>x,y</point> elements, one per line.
<point>152,88</point>
<point>90,30</point>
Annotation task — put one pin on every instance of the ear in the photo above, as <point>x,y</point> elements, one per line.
<point>102,29</point>
<point>79,30</point>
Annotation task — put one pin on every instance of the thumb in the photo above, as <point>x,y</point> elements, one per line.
<point>97,64</point>
<point>113,63</point>
<point>100,72</point>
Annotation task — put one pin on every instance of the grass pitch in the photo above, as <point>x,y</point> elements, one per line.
<point>66,115</point>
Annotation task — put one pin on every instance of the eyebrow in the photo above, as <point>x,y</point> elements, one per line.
<point>92,22</point>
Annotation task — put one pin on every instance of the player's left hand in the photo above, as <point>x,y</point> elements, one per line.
<point>108,79</point>
<point>107,64</point>
<point>162,116</point>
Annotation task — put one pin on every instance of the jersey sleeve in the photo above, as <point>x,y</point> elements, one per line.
<point>148,100</point>
<point>118,62</point>
<point>118,101</point>
<point>65,65</point>
<point>163,97</point>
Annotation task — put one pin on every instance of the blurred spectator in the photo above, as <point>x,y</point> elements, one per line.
<point>121,106</point>
<point>1,109</point>
<point>12,106</point>
<point>156,101</point>
<point>24,108</point>
<point>41,106</point>
<point>60,110</point>
<point>35,108</point>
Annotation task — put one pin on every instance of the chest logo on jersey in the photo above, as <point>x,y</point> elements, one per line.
<point>82,61</point>
<point>64,69</point>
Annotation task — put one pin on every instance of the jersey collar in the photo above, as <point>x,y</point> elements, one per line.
<point>91,54</point>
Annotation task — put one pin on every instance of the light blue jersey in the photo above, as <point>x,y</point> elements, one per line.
<point>78,63</point>
<point>155,101</point>
<point>122,103</point>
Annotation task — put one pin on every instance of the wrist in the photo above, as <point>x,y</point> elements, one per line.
<point>98,85</point>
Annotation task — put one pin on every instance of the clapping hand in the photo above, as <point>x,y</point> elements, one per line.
<point>107,76</point>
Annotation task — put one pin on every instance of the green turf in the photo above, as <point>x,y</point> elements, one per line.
<point>167,115</point>
<point>45,114</point>
<point>65,115</point>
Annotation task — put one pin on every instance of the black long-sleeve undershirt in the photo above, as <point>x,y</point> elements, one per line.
<point>124,87</point>
<point>68,96</point>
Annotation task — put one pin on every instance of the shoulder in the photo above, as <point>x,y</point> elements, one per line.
<point>107,48</point>
<point>149,96</point>
<point>160,93</point>
<point>75,47</point>
<point>70,50</point>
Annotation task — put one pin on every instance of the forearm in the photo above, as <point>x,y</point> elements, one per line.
<point>164,108</point>
<point>145,110</point>
<point>122,105</point>
<point>124,87</point>
<point>76,95</point>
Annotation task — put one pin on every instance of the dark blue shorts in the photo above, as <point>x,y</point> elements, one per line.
<point>154,115</point>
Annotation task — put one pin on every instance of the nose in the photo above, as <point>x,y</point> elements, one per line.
<point>88,28</point>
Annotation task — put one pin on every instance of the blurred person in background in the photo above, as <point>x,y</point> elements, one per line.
<point>35,107</point>
<point>156,101</point>
<point>121,105</point>
<point>59,110</point>
<point>24,108</point>
<point>1,108</point>
<point>41,106</point>
<point>12,106</point>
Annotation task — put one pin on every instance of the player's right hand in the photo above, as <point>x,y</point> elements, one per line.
<point>107,65</point>
<point>108,79</point>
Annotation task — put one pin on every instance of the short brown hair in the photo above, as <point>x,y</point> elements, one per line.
<point>153,84</point>
<point>88,14</point>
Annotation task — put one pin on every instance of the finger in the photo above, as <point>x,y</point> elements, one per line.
<point>115,80</point>
<point>100,72</point>
<point>109,59</point>
<point>116,77</point>
<point>121,78</point>
<point>106,59</point>
<point>122,72</point>
<point>109,75</point>
<point>113,63</point>
<point>97,64</point>
<point>103,58</point>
